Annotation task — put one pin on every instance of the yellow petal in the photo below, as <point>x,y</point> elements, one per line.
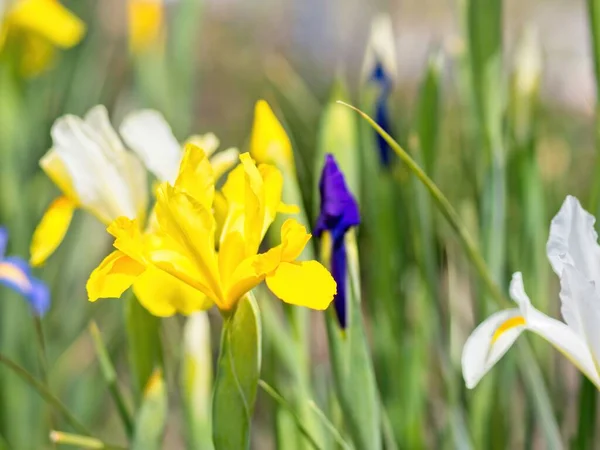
<point>51,230</point>
<point>192,228</point>
<point>284,208</point>
<point>242,281</point>
<point>128,238</point>
<point>307,283</point>
<point>146,19</point>
<point>220,209</point>
<point>293,240</point>
<point>254,205</point>
<point>49,19</point>
<point>57,172</point>
<point>272,187</point>
<point>231,254</point>
<point>115,274</point>
<point>269,142</point>
<point>164,295</point>
<point>196,176</point>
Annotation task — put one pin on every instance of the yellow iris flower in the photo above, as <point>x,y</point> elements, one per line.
<point>42,25</point>
<point>190,227</point>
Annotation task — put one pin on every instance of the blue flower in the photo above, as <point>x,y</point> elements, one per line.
<point>339,212</point>
<point>382,116</point>
<point>15,273</point>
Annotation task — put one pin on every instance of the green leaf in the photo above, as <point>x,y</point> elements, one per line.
<point>237,376</point>
<point>152,416</point>
<point>338,135</point>
<point>145,349</point>
<point>428,112</point>
<point>352,365</point>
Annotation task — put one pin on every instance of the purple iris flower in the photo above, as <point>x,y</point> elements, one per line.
<point>15,273</point>
<point>382,116</point>
<point>339,212</point>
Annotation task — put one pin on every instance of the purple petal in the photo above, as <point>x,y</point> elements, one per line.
<point>339,271</point>
<point>16,275</point>
<point>339,210</point>
<point>3,241</point>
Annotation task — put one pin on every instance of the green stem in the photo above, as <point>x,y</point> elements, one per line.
<point>286,406</point>
<point>332,429</point>
<point>58,437</point>
<point>110,376</point>
<point>43,363</point>
<point>45,394</point>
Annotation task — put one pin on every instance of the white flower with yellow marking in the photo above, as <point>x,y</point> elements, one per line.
<point>94,171</point>
<point>574,254</point>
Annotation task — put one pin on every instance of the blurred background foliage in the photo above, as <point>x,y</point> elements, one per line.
<point>495,100</point>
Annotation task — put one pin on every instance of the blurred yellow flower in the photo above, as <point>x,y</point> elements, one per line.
<point>146,22</point>
<point>184,245</point>
<point>270,143</point>
<point>43,25</point>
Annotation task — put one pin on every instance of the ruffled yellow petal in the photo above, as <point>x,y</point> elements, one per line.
<point>269,142</point>
<point>128,238</point>
<point>306,283</point>
<point>56,170</point>
<point>196,177</point>
<point>293,240</point>
<point>164,295</point>
<point>49,19</point>
<point>115,274</point>
<point>146,18</point>
<point>192,228</point>
<point>51,230</point>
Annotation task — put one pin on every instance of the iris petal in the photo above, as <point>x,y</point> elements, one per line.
<point>339,212</point>
<point>15,274</point>
<point>51,230</point>
<point>306,283</point>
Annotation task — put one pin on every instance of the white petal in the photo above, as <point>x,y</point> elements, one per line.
<point>574,241</point>
<point>97,119</point>
<point>208,142</point>
<point>562,336</point>
<point>96,177</point>
<point>576,290</point>
<point>149,135</point>
<point>381,47</point>
<point>223,161</point>
<point>126,162</point>
<point>482,351</point>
